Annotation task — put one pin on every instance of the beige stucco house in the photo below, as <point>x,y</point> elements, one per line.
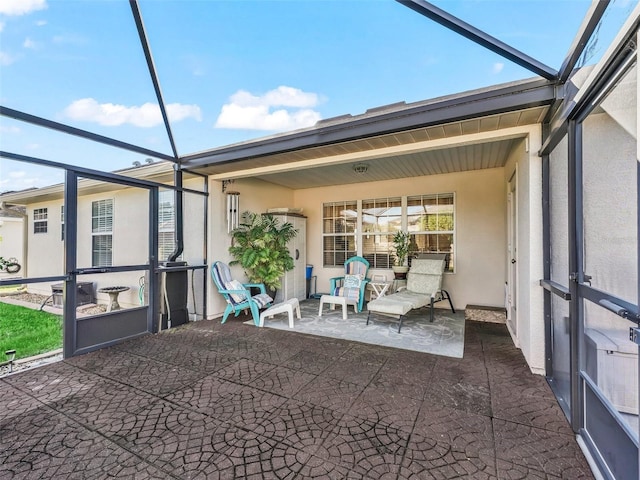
<point>538,180</point>
<point>485,166</point>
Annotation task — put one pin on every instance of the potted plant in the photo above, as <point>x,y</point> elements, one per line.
<point>259,246</point>
<point>401,242</point>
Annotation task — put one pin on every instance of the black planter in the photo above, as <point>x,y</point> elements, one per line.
<point>257,291</point>
<point>400,273</point>
<point>254,291</point>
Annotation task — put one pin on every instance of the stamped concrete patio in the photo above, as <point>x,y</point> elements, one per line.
<point>234,401</point>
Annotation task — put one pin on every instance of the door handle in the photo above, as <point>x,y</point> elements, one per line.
<point>513,260</point>
<point>297,254</point>
<point>84,271</point>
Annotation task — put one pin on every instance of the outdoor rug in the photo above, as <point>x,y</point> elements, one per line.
<point>445,336</point>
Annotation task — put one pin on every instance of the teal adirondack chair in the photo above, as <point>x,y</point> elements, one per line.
<point>238,295</point>
<point>354,282</point>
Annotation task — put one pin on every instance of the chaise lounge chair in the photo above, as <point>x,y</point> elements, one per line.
<point>424,287</point>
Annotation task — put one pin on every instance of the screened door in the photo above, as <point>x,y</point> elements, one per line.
<point>110,234</point>
<point>607,277</point>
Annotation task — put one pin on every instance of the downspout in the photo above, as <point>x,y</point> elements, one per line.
<point>5,207</point>
<point>179,231</point>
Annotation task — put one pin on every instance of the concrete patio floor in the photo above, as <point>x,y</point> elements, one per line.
<point>234,401</point>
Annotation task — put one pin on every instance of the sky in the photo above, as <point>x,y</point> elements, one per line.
<point>240,70</point>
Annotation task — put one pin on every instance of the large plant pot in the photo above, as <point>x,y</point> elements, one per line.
<point>400,272</point>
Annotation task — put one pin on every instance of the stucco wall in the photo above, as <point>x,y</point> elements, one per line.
<point>529,334</point>
<point>480,229</point>
<point>45,250</point>
<point>11,235</point>
<point>130,240</point>
<point>255,196</point>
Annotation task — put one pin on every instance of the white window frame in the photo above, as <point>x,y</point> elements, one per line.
<point>338,255</point>
<point>383,232</point>
<point>166,224</point>
<point>359,233</point>
<point>102,231</point>
<point>40,221</point>
<point>62,222</point>
<point>451,253</point>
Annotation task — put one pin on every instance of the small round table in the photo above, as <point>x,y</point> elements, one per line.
<point>113,296</point>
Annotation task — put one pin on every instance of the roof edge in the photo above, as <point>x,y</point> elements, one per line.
<point>379,121</point>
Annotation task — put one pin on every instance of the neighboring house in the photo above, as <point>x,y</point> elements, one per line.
<point>112,230</point>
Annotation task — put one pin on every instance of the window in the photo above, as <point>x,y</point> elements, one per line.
<point>40,220</point>
<point>166,224</point>
<point>430,221</point>
<point>339,222</point>
<point>381,219</point>
<point>102,233</point>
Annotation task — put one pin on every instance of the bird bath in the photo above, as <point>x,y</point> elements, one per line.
<point>113,296</point>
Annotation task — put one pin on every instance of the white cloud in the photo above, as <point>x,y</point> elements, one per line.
<point>248,111</point>
<point>11,129</point>
<point>146,115</point>
<point>28,43</point>
<point>6,59</point>
<point>21,7</point>
<point>196,65</point>
<point>41,23</point>
<point>17,180</point>
<point>69,39</point>
<point>178,112</point>
<point>497,68</point>
<point>1,26</point>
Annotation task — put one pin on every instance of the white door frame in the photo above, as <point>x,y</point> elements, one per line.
<point>511,292</point>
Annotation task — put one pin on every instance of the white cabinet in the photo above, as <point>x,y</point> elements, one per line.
<point>294,282</point>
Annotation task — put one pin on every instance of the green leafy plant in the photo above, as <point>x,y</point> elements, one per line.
<point>401,241</point>
<point>259,246</point>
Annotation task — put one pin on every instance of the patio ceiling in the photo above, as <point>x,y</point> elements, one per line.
<point>423,151</point>
<point>431,162</point>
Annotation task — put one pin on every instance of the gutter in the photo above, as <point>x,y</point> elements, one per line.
<point>179,230</point>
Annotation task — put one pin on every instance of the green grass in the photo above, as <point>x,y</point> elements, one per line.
<point>28,332</point>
